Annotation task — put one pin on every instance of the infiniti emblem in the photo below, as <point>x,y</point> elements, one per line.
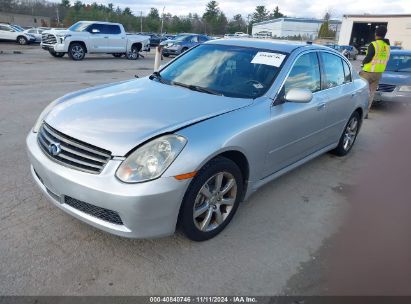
<point>54,149</point>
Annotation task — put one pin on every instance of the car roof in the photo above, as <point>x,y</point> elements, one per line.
<point>274,45</point>
<point>100,22</point>
<point>400,52</point>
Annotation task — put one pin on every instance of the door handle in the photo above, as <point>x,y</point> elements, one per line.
<point>106,37</point>
<point>321,106</point>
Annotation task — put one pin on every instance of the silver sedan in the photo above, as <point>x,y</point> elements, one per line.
<point>183,147</point>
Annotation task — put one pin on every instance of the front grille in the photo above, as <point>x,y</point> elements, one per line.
<point>385,87</point>
<point>71,152</point>
<point>101,213</point>
<point>48,38</point>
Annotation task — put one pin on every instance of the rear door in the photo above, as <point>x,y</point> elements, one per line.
<point>297,129</point>
<point>7,33</point>
<point>341,94</point>
<point>117,40</point>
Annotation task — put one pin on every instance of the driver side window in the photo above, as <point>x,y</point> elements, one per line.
<point>305,74</point>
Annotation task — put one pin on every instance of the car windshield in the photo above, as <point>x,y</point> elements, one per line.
<point>16,28</point>
<point>233,71</point>
<point>180,37</point>
<point>399,63</point>
<point>79,26</point>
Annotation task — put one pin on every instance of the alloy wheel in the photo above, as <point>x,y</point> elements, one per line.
<point>77,52</point>
<point>215,201</point>
<point>350,133</point>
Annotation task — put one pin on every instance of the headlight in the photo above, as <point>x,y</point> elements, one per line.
<point>43,115</point>
<point>151,160</point>
<point>404,89</point>
<point>63,37</point>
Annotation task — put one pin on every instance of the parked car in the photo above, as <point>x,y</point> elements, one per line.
<point>36,32</point>
<point>350,51</point>
<point>183,147</point>
<point>10,33</point>
<point>240,34</point>
<point>363,49</point>
<point>229,36</point>
<point>182,43</point>
<point>93,37</point>
<point>395,83</point>
<point>396,47</point>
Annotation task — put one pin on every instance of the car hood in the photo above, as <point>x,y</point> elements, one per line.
<point>396,78</point>
<point>121,116</point>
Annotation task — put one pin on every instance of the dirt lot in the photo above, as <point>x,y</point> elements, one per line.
<point>43,251</point>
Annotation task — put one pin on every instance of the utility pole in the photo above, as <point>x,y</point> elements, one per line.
<point>141,21</point>
<point>248,22</point>
<point>162,21</point>
<point>58,17</point>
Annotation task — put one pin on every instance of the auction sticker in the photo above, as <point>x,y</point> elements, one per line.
<point>273,59</point>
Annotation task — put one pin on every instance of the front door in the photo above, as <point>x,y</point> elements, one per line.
<point>298,129</point>
<point>98,38</point>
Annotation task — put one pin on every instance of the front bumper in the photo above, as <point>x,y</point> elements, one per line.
<point>395,96</point>
<point>171,51</point>
<point>147,209</point>
<point>58,47</point>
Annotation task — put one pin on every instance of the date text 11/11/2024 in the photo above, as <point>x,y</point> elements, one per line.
<point>203,299</point>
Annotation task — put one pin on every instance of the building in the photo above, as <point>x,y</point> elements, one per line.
<point>358,30</point>
<point>24,20</point>
<point>306,28</point>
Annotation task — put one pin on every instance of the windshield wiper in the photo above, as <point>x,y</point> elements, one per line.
<point>196,88</point>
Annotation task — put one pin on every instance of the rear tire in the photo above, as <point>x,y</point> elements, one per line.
<point>22,40</point>
<point>184,50</point>
<point>117,55</point>
<point>77,51</point>
<point>133,53</point>
<point>349,135</point>
<point>211,199</point>
<point>166,55</point>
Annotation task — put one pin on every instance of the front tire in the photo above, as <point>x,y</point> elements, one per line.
<point>211,199</point>
<point>77,51</point>
<point>22,40</point>
<point>349,135</point>
<point>117,55</point>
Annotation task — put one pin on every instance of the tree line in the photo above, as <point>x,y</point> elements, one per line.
<point>213,21</point>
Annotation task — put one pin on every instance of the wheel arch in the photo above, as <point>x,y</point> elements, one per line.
<point>139,46</point>
<point>80,42</point>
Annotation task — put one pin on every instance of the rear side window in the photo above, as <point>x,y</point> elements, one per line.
<point>333,69</point>
<point>347,72</point>
<point>5,28</point>
<point>112,29</point>
<point>305,74</point>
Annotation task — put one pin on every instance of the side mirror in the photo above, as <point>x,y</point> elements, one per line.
<point>95,31</point>
<point>299,95</point>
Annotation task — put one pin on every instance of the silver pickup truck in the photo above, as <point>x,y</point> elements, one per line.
<point>94,37</point>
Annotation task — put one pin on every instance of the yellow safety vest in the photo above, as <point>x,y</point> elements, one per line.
<point>380,59</point>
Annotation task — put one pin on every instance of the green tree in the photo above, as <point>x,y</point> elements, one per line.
<point>237,24</point>
<point>325,31</point>
<point>260,14</point>
<point>214,19</point>
<point>276,13</point>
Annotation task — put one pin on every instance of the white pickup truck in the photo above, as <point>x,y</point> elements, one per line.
<point>94,37</point>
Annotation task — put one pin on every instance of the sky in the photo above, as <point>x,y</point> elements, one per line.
<point>294,8</point>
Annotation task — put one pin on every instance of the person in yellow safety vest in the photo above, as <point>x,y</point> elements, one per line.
<point>375,61</point>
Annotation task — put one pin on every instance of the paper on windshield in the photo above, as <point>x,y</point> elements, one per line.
<point>273,59</point>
